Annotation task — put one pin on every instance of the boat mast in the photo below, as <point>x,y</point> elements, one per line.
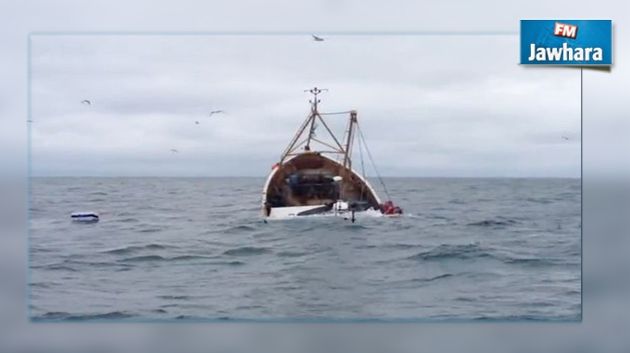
<point>314,114</point>
<point>298,140</point>
<point>347,162</point>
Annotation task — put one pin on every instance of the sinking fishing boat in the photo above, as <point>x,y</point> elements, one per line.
<point>315,177</point>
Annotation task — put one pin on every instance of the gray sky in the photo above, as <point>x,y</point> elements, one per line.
<point>605,105</point>
<point>428,105</point>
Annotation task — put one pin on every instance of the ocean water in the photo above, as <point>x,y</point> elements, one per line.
<point>197,249</point>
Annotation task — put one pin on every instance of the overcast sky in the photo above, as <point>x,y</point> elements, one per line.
<point>428,105</point>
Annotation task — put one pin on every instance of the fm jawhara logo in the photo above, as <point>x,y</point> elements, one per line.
<point>566,42</point>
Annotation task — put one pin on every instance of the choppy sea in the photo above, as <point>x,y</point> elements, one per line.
<point>197,249</point>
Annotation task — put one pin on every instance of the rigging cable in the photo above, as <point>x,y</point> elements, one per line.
<point>345,134</point>
<point>380,179</point>
<point>336,113</point>
<point>362,166</point>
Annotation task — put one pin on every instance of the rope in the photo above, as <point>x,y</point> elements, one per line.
<point>345,134</point>
<point>362,167</point>
<point>380,179</point>
<point>336,113</point>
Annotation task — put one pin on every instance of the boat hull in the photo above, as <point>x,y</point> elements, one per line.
<point>314,184</point>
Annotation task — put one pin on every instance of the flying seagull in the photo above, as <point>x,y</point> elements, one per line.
<point>86,101</point>
<point>196,122</point>
<point>216,112</point>
<point>565,138</point>
<point>317,39</point>
<point>174,150</point>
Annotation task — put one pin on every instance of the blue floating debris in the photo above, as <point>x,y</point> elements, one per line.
<point>87,217</point>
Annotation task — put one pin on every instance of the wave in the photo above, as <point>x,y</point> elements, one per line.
<point>465,299</point>
<point>536,261</point>
<point>40,285</point>
<point>529,317</point>
<point>538,200</point>
<point>476,251</point>
<point>439,217</point>
<point>458,202</point>
<point>493,223</point>
<point>34,250</point>
<point>135,248</point>
<point>239,229</point>
<point>229,263</point>
<point>197,318</point>
<point>64,316</point>
<point>245,251</point>
<point>447,251</point>
<point>188,257</point>
<point>143,258</point>
<point>355,227</point>
<point>402,246</point>
<point>60,267</point>
<point>150,230</point>
<point>98,193</point>
<point>291,254</point>
<point>146,258</point>
<point>174,297</point>
<point>431,279</point>
<point>396,246</point>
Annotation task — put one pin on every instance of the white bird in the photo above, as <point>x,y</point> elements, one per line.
<point>565,138</point>
<point>317,39</point>
<point>174,150</point>
<point>196,122</point>
<point>86,101</point>
<point>216,112</point>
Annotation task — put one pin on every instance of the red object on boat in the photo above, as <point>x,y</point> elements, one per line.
<point>388,208</point>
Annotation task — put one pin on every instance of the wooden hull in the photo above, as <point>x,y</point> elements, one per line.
<point>310,183</point>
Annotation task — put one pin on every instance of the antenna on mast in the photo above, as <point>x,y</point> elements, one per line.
<point>315,91</point>
<point>314,114</point>
<point>308,130</point>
